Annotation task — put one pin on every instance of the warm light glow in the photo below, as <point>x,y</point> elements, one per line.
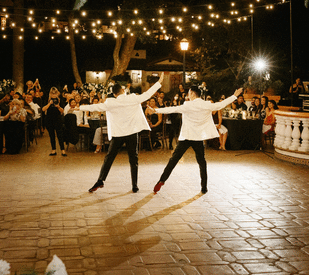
<point>210,7</point>
<point>84,13</point>
<point>20,37</point>
<point>29,18</point>
<point>6,16</point>
<point>148,33</point>
<point>98,22</point>
<point>114,23</point>
<point>120,22</point>
<point>22,29</point>
<point>184,9</point>
<point>180,20</point>
<point>93,24</point>
<point>161,11</point>
<point>4,9</point>
<point>199,17</point>
<point>132,34</point>
<point>52,37</point>
<point>13,24</point>
<point>33,25</point>
<point>58,11</point>
<point>128,30</point>
<point>251,11</point>
<point>67,37</point>
<point>31,12</point>
<point>53,20</point>
<point>160,21</point>
<point>173,19</point>
<point>232,4</point>
<point>40,30</point>
<point>135,11</point>
<point>109,13</point>
<point>260,64</point>
<point>76,31</point>
<point>140,22</point>
<point>184,44</point>
<point>94,31</point>
<point>76,21</point>
<point>84,37</point>
<point>4,36</point>
<point>58,31</point>
<point>36,38</point>
<point>133,22</point>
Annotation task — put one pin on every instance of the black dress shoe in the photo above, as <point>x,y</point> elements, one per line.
<point>53,154</point>
<point>64,155</point>
<point>135,189</point>
<point>98,184</point>
<point>204,190</point>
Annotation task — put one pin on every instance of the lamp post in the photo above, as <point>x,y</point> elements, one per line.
<point>184,44</point>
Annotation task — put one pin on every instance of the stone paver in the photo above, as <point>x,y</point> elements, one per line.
<point>253,220</point>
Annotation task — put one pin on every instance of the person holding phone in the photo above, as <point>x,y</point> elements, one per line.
<point>54,123</point>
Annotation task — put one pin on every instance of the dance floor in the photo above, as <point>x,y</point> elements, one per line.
<point>253,220</point>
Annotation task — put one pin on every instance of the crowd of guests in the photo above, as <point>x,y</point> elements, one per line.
<point>60,116</point>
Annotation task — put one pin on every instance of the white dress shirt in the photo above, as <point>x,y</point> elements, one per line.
<point>35,107</point>
<point>197,121</point>
<point>124,114</point>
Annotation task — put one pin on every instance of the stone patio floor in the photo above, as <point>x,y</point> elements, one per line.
<point>253,220</point>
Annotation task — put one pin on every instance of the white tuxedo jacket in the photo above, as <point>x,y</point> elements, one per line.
<point>124,114</point>
<point>197,121</point>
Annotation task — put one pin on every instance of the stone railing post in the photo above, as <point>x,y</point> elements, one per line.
<point>295,134</point>
<point>287,133</point>
<point>305,136</point>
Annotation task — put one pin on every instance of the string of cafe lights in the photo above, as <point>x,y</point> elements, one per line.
<point>86,26</point>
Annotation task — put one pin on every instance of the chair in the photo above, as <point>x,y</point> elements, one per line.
<point>71,134</point>
<point>269,137</point>
<point>144,136</point>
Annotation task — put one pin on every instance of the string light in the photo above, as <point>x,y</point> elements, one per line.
<point>84,13</point>
<point>184,9</point>
<point>161,11</point>
<point>58,11</point>
<point>30,11</point>
<point>135,11</point>
<point>20,37</point>
<point>36,37</point>
<point>52,37</point>
<point>4,36</point>
<point>109,13</point>
<point>4,9</point>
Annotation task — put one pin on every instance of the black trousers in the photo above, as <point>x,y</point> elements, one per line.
<point>115,145</point>
<point>53,127</point>
<point>181,148</point>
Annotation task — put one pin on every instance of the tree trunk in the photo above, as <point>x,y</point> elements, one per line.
<point>73,51</point>
<point>126,53</point>
<point>122,59</point>
<point>116,56</point>
<point>18,46</point>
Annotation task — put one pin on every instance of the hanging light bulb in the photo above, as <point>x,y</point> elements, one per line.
<point>31,12</point>
<point>184,9</point>
<point>58,11</point>
<point>36,37</point>
<point>109,13</point>
<point>84,13</point>
<point>135,11</point>
<point>52,37</point>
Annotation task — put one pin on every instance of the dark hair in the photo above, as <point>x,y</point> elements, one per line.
<point>196,90</point>
<point>71,100</point>
<point>275,104</point>
<point>240,96</point>
<point>95,97</point>
<point>116,89</point>
<point>84,101</point>
<point>266,100</point>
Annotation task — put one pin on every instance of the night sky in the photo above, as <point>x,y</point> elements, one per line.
<point>50,61</point>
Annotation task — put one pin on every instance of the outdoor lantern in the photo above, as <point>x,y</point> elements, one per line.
<point>184,45</point>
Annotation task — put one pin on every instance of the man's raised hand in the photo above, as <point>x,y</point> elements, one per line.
<point>238,92</point>
<point>161,78</point>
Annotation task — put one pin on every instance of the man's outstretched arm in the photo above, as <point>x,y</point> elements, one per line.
<point>150,92</point>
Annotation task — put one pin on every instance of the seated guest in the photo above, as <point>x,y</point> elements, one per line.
<point>264,106</point>
<point>29,118</point>
<point>239,103</point>
<point>77,98</point>
<point>270,120</point>
<point>67,103</point>
<point>258,108</point>
<point>155,122</point>
<point>34,106</point>
<point>14,127</point>
<point>160,102</point>
<point>95,114</point>
<point>252,108</point>
<point>17,95</point>
<point>93,95</point>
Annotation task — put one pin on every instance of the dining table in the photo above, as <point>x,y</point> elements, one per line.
<point>243,134</point>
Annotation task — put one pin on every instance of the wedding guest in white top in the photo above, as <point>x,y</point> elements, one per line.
<point>125,119</point>
<point>197,126</point>
<point>35,107</point>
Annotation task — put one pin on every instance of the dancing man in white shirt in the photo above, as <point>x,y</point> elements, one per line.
<point>197,126</point>
<point>125,119</point>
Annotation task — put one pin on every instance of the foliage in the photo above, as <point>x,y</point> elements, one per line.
<point>99,88</point>
<point>152,78</point>
<point>5,86</point>
<point>261,85</point>
<point>122,79</point>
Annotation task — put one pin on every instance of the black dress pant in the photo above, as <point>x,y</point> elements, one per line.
<point>116,143</point>
<point>53,127</point>
<point>181,148</point>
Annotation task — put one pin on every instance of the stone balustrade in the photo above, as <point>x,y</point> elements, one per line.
<point>292,136</point>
